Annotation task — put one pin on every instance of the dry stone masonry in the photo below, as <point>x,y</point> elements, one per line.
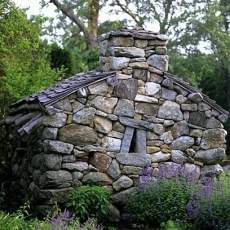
<point>107,130</point>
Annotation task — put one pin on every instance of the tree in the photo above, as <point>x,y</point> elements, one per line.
<point>24,64</point>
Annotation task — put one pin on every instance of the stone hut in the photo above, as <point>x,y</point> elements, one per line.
<point>105,126</point>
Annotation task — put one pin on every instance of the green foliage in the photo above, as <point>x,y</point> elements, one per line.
<point>89,201</point>
<point>24,65</point>
<point>162,201</point>
<point>170,225</point>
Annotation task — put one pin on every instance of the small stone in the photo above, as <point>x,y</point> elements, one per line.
<point>122,41</point>
<point>140,74</point>
<point>77,106</point>
<point>101,161</point>
<point>158,61</point>
<point>153,149</point>
<point>167,137</point>
<point>97,177</point>
<point>131,170</point>
<point>180,99</point>
<point>223,118</point>
<point>211,170</point>
<point>133,159</point>
<point>196,133</point>
<point>141,43</point>
<point>57,120</point>
<point>121,76</point>
<point>208,113</point>
<point>130,52</point>
<point>114,170</point>
<point>122,183</point>
<point>159,157</point>
<point>52,161</point>
<point>93,149</point>
<point>152,136</point>
<point>213,123</point>
<point>124,108</point>
<point>80,154</point>
<point>189,107</point>
<point>168,123</point>
<point>64,104</point>
<point>146,108</point>
<point>141,65</point>
<point>203,107</point>
<point>147,99</point>
<point>178,157</point>
<point>213,138</point>
<point>68,159</point>
<point>73,134</point>
<point>112,117</point>
<point>116,134</point>
<point>195,97</point>
<point>198,119</point>
<point>118,63</point>
<point>165,148</point>
<point>210,156</point>
<point>104,104</point>
<point>171,111</point>
<point>49,133</point>
<point>168,94</point>
<point>102,125</point>
<point>121,198</point>
<point>112,144</point>
<point>77,175</point>
<point>182,143</point>
<point>191,171</point>
<point>84,116</point>
<point>76,166</point>
<point>190,152</point>
<point>168,83</point>
<point>100,88</point>
<point>152,88</point>
<point>158,129</point>
<point>57,146</point>
<point>180,128</point>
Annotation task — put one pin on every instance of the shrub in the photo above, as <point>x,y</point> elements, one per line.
<point>89,201</point>
<point>161,201</point>
<point>210,208</point>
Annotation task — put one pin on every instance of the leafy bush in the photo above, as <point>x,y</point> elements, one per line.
<point>89,201</point>
<point>161,201</point>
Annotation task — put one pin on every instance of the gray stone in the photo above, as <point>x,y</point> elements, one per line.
<point>168,83</point>
<point>211,170</point>
<point>77,106</point>
<point>178,157</point>
<point>189,107</point>
<point>117,126</point>
<point>146,108</point>
<point>118,63</point>
<point>56,179</point>
<point>158,129</point>
<point>94,148</point>
<point>114,170</point>
<point>195,97</point>
<point>152,88</point>
<point>57,146</point>
<point>180,99</point>
<point>169,169</point>
<point>97,177</point>
<point>57,120</point>
<point>134,159</point>
<point>122,41</point>
<point>80,154</point>
<point>129,52</point>
<point>203,107</point>
<point>196,133</point>
<point>147,99</point>
<point>112,117</point>
<point>223,118</point>
<point>112,144</point>
<point>73,134</point>
<point>141,43</point>
<point>127,140</point>
<point>141,65</point>
<point>122,197</point>
<point>158,61</point>
<point>198,119</point>
<point>133,170</point>
<point>182,143</point>
<point>68,159</point>
<point>76,166</point>
<point>168,94</point>
<point>124,108</point>
<point>100,88</point>
<point>84,116</point>
<point>52,161</point>
<point>180,128</point>
<point>102,125</point>
<point>126,89</point>
<point>77,175</point>
<point>170,110</point>
<point>116,134</point>
<point>122,183</point>
<point>49,133</point>
<point>136,123</point>
<point>36,161</point>
<point>104,104</point>
<point>167,137</point>
<point>191,171</point>
<point>168,123</point>
<point>213,123</point>
<point>210,156</point>
<point>64,104</point>
<point>152,136</point>
<point>140,145</point>
<point>159,157</point>
<point>213,138</point>
<point>140,74</point>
